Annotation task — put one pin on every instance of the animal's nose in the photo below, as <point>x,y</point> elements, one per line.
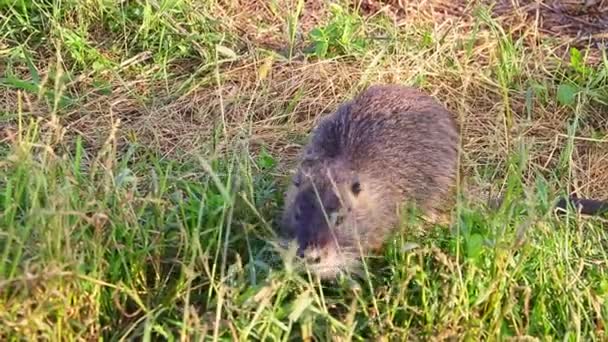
<point>300,251</point>
<point>310,256</point>
<point>314,259</point>
<point>304,250</point>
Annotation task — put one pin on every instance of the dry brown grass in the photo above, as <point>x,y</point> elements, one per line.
<point>272,101</point>
<point>259,98</point>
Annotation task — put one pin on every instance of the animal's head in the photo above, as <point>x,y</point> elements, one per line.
<point>334,213</point>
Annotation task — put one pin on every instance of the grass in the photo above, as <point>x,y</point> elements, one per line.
<point>146,146</point>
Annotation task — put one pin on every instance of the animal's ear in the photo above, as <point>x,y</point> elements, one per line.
<point>328,136</point>
<point>312,154</point>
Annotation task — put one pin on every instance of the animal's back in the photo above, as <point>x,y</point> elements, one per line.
<point>399,136</point>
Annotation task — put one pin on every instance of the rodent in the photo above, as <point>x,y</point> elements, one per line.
<point>390,145</point>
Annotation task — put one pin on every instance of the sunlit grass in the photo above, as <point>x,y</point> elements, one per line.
<point>145,147</point>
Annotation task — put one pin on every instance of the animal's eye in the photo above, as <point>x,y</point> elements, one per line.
<point>356,188</point>
<point>339,220</point>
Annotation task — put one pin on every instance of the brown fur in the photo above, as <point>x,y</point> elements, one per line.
<point>399,144</point>
<point>388,147</point>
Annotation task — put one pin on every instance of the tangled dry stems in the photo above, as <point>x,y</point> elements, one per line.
<point>274,102</point>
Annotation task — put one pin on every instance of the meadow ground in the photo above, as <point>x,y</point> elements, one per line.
<point>146,144</point>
